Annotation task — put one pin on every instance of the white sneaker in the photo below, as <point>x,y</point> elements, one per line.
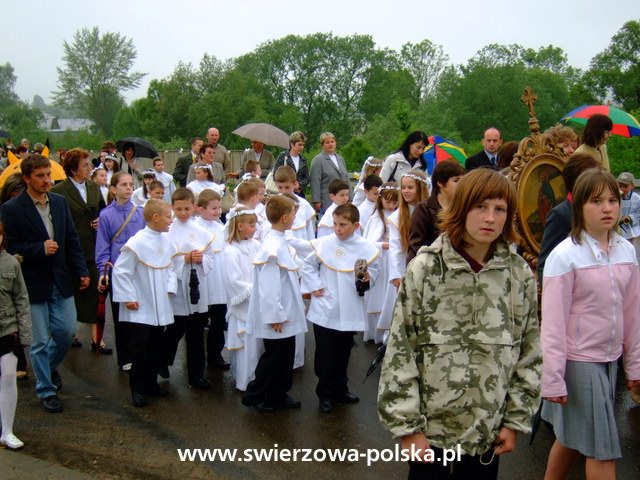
<point>126,367</point>
<point>11,442</point>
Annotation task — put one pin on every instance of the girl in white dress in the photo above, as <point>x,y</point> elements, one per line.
<point>244,350</point>
<point>377,231</point>
<point>99,175</point>
<point>204,179</point>
<point>372,166</point>
<point>141,195</point>
<point>413,189</point>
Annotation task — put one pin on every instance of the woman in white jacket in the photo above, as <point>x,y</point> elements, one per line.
<point>408,157</point>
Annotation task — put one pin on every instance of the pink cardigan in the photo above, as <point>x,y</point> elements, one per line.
<point>590,309</point>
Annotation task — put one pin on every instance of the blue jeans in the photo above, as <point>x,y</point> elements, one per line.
<point>53,325</point>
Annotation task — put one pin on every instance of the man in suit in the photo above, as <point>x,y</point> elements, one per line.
<point>181,170</point>
<point>207,157</point>
<point>488,157</point>
<point>326,166</point>
<point>39,226</point>
<point>264,157</point>
<point>222,154</point>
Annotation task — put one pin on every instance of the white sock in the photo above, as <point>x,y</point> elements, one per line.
<point>8,392</point>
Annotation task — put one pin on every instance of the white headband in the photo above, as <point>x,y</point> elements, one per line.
<point>370,162</point>
<point>388,187</point>
<point>415,177</point>
<point>203,167</point>
<point>237,213</point>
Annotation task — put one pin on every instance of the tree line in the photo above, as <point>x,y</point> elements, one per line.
<point>369,97</point>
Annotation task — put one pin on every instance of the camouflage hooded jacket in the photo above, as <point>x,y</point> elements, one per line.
<point>463,357</point>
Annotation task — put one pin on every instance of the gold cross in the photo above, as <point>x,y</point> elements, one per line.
<point>529,99</point>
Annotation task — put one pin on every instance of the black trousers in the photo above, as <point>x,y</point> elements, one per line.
<point>274,373</point>
<point>192,328</point>
<point>468,467</point>
<point>333,349</point>
<point>215,337</point>
<point>145,347</point>
<point>121,332</point>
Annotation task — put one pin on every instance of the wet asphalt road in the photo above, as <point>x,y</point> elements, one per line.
<point>100,433</point>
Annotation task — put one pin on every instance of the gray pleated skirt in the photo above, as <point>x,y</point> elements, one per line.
<point>587,423</point>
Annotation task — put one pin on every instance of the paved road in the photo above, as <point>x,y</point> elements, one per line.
<point>101,434</point>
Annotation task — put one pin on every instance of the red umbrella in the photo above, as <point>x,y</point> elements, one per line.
<point>102,298</point>
<point>624,124</point>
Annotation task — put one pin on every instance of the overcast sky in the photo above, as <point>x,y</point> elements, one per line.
<point>166,32</point>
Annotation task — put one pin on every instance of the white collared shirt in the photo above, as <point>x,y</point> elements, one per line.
<point>82,188</point>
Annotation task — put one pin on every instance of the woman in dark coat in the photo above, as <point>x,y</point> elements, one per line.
<point>85,202</point>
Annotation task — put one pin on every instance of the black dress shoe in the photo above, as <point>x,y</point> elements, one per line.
<point>221,364</point>
<point>51,404</point>
<point>265,407</point>
<point>157,391</point>
<point>56,380</point>
<point>104,350</point>
<point>325,406</point>
<point>75,342</point>
<point>138,400</point>
<point>199,383</point>
<point>347,397</point>
<point>289,402</point>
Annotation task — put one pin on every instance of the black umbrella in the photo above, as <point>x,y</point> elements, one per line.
<point>535,423</point>
<point>143,148</point>
<point>377,359</point>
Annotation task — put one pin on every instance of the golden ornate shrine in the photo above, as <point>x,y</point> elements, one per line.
<point>536,172</point>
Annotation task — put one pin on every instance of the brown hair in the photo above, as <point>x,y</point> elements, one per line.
<point>251,166</point>
<point>183,193</point>
<point>115,178</point>
<point>72,160</point>
<point>388,191</point>
<point>285,174</point>
<point>594,129</point>
<point>204,147</point>
<point>404,221</point>
<point>474,188</point>
<point>234,234</point>
<point>246,190</point>
<point>277,206</point>
<point>207,195</point>
<point>152,207</point>
<point>443,172</point>
<point>207,168</point>
<point>337,185</point>
<point>155,184</point>
<point>32,162</point>
<point>157,159</point>
<point>577,164</point>
<point>373,165</point>
<point>348,211</point>
<point>590,184</point>
<point>3,242</point>
<point>506,154</point>
<point>14,183</point>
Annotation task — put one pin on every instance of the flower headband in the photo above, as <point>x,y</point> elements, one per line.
<point>203,167</point>
<point>93,172</point>
<point>149,172</point>
<point>415,177</point>
<point>370,161</point>
<point>237,213</point>
<point>387,187</point>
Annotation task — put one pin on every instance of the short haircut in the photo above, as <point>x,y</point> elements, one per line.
<point>246,190</point>
<point>183,193</point>
<point>72,160</point>
<point>195,140</point>
<point>277,206</point>
<point>155,184</point>
<point>251,165</point>
<point>258,182</point>
<point>372,181</point>
<point>474,188</point>
<point>207,195</point>
<point>492,128</point>
<point>108,145</point>
<point>591,183</point>
<point>577,164</point>
<point>204,147</point>
<point>506,153</point>
<point>152,207</point>
<point>292,196</point>
<point>348,211</point>
<point>561,132</point>
<point>13,184</point>
<point>157,159</point>
<point>443,172</point>
<point>325,136</point>
<point>337,185</point>
<point>21,149</point>
<point>594,129</point>
<point>33,162</point>
<point>285,174</point>
<point>297,137</point>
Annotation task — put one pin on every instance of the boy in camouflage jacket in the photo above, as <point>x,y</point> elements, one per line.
<point>463,359</point>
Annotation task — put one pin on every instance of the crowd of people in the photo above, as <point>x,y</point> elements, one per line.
<point>425,262</point>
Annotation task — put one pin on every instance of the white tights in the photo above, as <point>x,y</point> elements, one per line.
<point>8,392</point>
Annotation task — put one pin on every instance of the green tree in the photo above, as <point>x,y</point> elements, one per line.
<point>615,72</point>
<point>96,72</point>
<point>7,84</point>
<point>427,63</point>
<point>16,116</point>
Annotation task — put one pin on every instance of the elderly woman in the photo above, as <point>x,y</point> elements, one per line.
<point>565,137</point>
<point>326,166</point>
<point>594,139</point>
<point>408,157</point>
<point>85,202</point>
<point>295,159</point>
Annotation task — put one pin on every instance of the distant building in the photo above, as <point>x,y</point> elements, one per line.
<point>61,125</point>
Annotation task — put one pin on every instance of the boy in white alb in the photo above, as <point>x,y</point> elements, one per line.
<point>337,309</point>
<point>142,281</point>
<point>191,302</point>
<point>339,195</point>
<point>165,178</point>
<point>371,184</point>
<point>287,182</point>
<point>209,209</point>
<point>276,312</point>
<point>250,194</point>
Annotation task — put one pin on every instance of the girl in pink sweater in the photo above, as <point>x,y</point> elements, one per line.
<point>590,303</point>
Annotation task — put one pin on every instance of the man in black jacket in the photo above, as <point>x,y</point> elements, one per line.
<point>181,170</point>
<point>39,227</point>
<point>488,157</point>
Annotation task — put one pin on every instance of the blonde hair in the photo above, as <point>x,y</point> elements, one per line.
<point>234,233</point>
<point>389,191</point>
<point>207,195</point>
<point>154,207</point>
<point>404,221</point>
<point>277,206</point>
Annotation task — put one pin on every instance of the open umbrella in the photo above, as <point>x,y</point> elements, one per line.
<point>57,172</point>
<point>265,133</point>
<point>440,149</point>
<point>624,124</point>
<point>143,148</point>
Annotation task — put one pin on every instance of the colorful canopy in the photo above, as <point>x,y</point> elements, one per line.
<point>624,124</point>
<point>440,149</point>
